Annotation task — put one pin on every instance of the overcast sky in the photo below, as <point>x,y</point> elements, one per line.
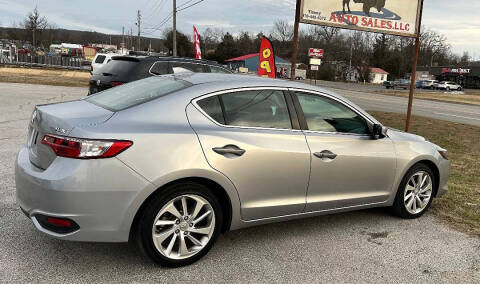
<point>458,19</point>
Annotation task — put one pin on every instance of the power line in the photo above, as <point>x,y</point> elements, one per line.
<point>183,4</point>
<point>181,7</point>
<point>191,5</point>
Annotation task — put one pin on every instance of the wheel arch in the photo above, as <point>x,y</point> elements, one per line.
<point>435,170</point>
<point>216,188</point>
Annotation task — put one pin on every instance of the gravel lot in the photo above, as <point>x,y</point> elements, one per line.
<point>364,246</point>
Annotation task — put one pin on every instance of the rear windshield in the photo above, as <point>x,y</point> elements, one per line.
<point>137,92</point>
<point>100,59</point>
<point>119,67</point>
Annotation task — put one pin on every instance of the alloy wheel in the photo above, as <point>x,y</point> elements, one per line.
<point>183,227</point>
<point>418,192</point>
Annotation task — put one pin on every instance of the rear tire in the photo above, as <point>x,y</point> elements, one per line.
<point>418,185</point>
<point>173,238</point>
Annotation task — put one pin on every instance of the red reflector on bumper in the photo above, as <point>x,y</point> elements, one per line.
<point>59,222</point>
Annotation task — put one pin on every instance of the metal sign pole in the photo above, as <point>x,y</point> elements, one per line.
<point>295,41</point>
<point>414,70</point>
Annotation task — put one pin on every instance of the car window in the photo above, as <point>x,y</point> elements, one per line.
<point>181,67</point>
<point>259,108</point>
<point>212,107</point>
<point>159,68</point>
<point>100,59</point>
<point>120,67</point>
<point>137,92</point>
<point>216,69</point>
<point>327,115</point>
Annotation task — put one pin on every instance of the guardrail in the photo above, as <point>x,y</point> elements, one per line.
<point>58,62</point>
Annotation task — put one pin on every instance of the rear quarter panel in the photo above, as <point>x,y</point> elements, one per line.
<point>165,148</point>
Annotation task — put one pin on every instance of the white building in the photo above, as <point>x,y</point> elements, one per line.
<point>378,75</point>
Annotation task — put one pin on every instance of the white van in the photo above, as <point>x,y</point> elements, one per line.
<point>100,60</point>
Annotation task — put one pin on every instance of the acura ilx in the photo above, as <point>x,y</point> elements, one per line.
<point>173,161</point>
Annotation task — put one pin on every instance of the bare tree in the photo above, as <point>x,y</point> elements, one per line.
<point>211,37</point>
<point>282,31</point>
<point>35,22</point>
<point>433,44</point>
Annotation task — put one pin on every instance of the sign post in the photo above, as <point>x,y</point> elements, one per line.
<point>295,40</point>
<point>401,18</point>
<point>414,71</point>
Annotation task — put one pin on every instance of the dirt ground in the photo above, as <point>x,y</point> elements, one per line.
<point>53,77</point>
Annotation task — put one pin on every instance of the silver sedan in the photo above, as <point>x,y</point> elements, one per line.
<point>173,161</point>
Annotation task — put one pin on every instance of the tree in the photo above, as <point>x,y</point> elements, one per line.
<point>282,31</point>
<point>433,46</point>
<point>226,49</point>
<point>33,23</point>
<point>211,38</point>
<point>465,59</point>
<point>184,45</point>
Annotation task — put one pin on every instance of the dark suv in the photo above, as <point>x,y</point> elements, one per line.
<point>124,69</point>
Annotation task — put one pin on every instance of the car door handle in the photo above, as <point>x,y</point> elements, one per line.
<point>229,149</point>
<point>325,155</point>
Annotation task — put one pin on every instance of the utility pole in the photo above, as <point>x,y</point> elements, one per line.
<point>131,38</point>
<point>174,35</point>
<point>123,37</point>
<point>139,19</point>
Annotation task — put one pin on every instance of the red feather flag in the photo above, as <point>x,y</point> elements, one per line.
<point>266,68</point>
<point>196,39</point>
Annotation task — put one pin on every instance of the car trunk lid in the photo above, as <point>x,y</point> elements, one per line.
<point>59,119</point>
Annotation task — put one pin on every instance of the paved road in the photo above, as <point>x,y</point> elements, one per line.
<point>367,99</point>
<point>365,246</point>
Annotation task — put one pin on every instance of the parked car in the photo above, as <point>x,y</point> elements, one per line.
<point>419,84</point>
<point>429,84</point>
<point>173,161</point>
<point>124,69</point>
<point>100,60</point>
<point>447,85</point>
<point>388,84</point>
<point>397,84</point>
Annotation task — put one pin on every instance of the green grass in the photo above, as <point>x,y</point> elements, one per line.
<point>461,206</point>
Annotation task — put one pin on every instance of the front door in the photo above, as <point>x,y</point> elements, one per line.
<point>349,168</point>
<point>248,136</point>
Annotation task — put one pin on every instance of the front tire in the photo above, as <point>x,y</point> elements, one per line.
<point>415,193</point>
<point>180,225</point>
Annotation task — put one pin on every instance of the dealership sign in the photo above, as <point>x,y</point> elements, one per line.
<point>316,52</point>
<point>382,16</point>
<point>456,70</point>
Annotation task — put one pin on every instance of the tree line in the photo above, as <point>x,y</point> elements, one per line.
<point>352,48</point>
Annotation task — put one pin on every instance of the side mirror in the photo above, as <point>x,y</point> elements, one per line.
<point>377,131</point>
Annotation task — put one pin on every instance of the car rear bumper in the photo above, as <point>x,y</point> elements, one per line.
<point>95,194</point>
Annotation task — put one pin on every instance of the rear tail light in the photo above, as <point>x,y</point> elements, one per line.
<point>116,83</point>
<point>85,148</point>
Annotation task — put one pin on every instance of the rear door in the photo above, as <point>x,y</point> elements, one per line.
<point>248,136</point>
<point>349,168</point>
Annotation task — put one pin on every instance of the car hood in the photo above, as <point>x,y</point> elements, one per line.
<point>398,135</point>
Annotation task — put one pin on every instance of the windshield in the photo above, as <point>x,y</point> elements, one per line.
<point>119,67</point>
<point>137,92</point>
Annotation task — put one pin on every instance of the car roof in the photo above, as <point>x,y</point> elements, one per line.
<point>164,58</point>
<point>214,82</point>
<point>236,80</point>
